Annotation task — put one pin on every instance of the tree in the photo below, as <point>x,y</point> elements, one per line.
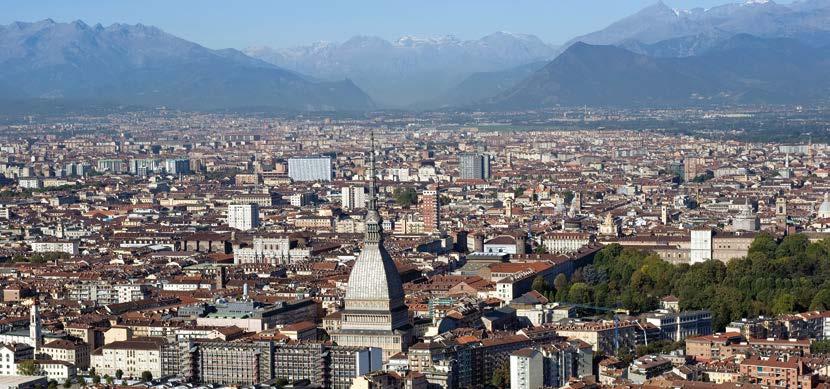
<point>783,303</point>
<point>53,384</point>
<point>820,347</point>
<point>569,196</point>
<point>146,376</point>
<point>764,244</point>
<point>281,382</point>
<point>540,285</point>
<point>67,384</point>
<point>821,301</point>
<point>119,374</point>
<point>518,192</point>
<point>501,377</point>
<point>96,379</point>
<point>580,293</point>
<point>792,245</point>
<point>405,197</point>
<point>28,367</point>
<point>108,380</point>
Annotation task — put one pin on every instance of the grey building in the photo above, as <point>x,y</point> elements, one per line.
<point>231,363</point>
<point>177,166</point>
<point>474,166</point>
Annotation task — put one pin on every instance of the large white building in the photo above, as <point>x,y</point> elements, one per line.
<point>310,169</point>
<point>526,369</point>
<point>70,248</point>
<point>132,357</point>
<point>566,242</point>
<point>243,216</point>
<point>13,353</point>
<point>701,245</point>
<point>353,197</point>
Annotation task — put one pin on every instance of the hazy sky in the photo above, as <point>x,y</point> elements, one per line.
<point>278,23</point>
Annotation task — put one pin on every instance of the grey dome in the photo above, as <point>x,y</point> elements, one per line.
<point>374,276</point>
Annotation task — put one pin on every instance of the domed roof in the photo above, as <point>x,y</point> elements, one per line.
<point>374,276</point>
<point>824,208</point>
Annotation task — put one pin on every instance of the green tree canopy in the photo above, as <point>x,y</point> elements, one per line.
<point>405,197</point>
<point>28,367</point>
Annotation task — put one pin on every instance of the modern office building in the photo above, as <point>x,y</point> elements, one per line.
<point>474,166</point>
<point>310,169</point>
<point>243,216</point>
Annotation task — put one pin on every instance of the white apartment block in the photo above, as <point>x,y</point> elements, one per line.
<point>243,216</point>
<point>70,248</point>
<point>526,369</point>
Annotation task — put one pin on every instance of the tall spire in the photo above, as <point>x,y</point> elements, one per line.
<point>372,206</point>
<point>373,229</point>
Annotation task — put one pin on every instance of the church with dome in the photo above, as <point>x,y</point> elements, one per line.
<point>375,313</point>
<point>824,208</point>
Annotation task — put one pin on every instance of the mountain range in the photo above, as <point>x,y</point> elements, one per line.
<point>757,52</point>
<point>408,70</point>
<point>741,70</point>
<point>137,64</point>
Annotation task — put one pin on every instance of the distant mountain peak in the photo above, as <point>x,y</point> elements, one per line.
<point>141,64</point>
<point>412,68</point>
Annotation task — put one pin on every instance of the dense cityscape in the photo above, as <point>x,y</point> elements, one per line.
<point>173,248</point>
<point>369,194</point>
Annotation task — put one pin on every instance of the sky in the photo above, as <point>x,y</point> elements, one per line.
<point>280,23</point>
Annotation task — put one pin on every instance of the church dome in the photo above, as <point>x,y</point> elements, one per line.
<point>824,208</point>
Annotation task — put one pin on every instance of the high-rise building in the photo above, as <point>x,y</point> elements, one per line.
<point>474,166</point>
<point>110,165</point>
<point>430,208</point>
<point>177,166</point>
<point>526,369</point>
<point>143,166</point>
<point>243,216</point>
<point>310,169</point>
<point>375,314</point>
<point>353,197</point>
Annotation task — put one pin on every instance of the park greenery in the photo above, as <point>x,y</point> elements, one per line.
<point>776,277</point>
<point>405,197</point>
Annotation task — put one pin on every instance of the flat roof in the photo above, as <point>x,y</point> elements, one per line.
<point>19,379</point>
